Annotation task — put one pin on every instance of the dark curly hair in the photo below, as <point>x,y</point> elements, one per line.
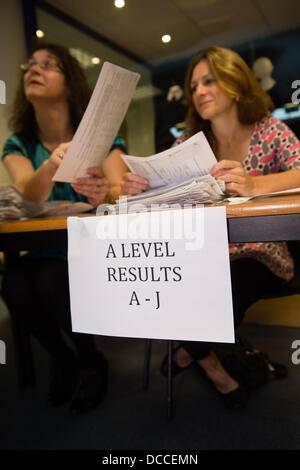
<point>22,120</point>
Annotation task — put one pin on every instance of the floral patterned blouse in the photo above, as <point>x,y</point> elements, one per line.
<point>273,148</point>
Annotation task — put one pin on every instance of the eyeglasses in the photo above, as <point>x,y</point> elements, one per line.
<point>47,65</point>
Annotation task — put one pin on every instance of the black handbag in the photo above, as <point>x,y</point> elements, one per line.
<point>249,366</point>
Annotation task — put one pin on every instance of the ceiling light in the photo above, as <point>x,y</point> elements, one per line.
<point>85,59</point>
<point>39,33</point>
<point>119,3</point>
<point>166,38</point>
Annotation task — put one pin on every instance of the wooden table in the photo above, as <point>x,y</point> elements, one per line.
<point>275,218</point>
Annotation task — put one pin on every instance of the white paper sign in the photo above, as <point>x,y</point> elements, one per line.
<point>162,275</point>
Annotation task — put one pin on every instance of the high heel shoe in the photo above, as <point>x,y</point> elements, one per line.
<point>235,399</point>
<point>176,369</point>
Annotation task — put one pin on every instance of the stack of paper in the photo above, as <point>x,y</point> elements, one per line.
<point>180,175</point>
<point>202,189</point>
<point>13,206</point>
<point>191,159</point>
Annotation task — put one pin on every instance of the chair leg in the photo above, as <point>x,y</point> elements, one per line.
<point>170,381</point>
<point>147,358</point>
<point>147,364</point>
<point>24,357</point>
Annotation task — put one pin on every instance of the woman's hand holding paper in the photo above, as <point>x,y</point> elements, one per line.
<point>95,186</point>
<point>133,184</point>
<point>235,177</point>
<point>57,155</point>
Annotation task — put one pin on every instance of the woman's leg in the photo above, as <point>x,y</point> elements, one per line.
<point>251,281</point>
<point>92,365</point>
<point>52,287</point>
<point>19,291</point>
<point>37,291</point>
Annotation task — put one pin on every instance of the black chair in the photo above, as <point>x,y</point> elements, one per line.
<point>287,289</point>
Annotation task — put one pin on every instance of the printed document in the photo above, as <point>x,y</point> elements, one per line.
<point>101,122</point>
<point>193,157</point>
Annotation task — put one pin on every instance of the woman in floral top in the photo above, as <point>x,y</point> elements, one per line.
<point>256,154</point>
<point>273,148</point>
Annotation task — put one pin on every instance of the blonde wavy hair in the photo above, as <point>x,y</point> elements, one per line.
<point>236,79</point>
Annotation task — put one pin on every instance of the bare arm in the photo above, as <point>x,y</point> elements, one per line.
<point>114,169</point>
<point>237,180</point>
<point>36,185</point>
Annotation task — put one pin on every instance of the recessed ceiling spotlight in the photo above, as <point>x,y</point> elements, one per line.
<point>39,33</point>
<point>166,38</point>
<point>119,3</point>
<point>95,60</point>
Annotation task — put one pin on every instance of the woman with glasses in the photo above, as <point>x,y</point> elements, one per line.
<point>49,105</point>
<point>256,154</point>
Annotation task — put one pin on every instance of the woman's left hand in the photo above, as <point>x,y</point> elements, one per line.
<point>95,187</point>
<point>236,178</point>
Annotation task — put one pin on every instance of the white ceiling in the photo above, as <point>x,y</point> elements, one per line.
<point>138,26</point>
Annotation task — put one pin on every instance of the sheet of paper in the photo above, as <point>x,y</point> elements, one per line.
<point>194,157</point>
<point>101,121</point>
<point>160,274</point>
